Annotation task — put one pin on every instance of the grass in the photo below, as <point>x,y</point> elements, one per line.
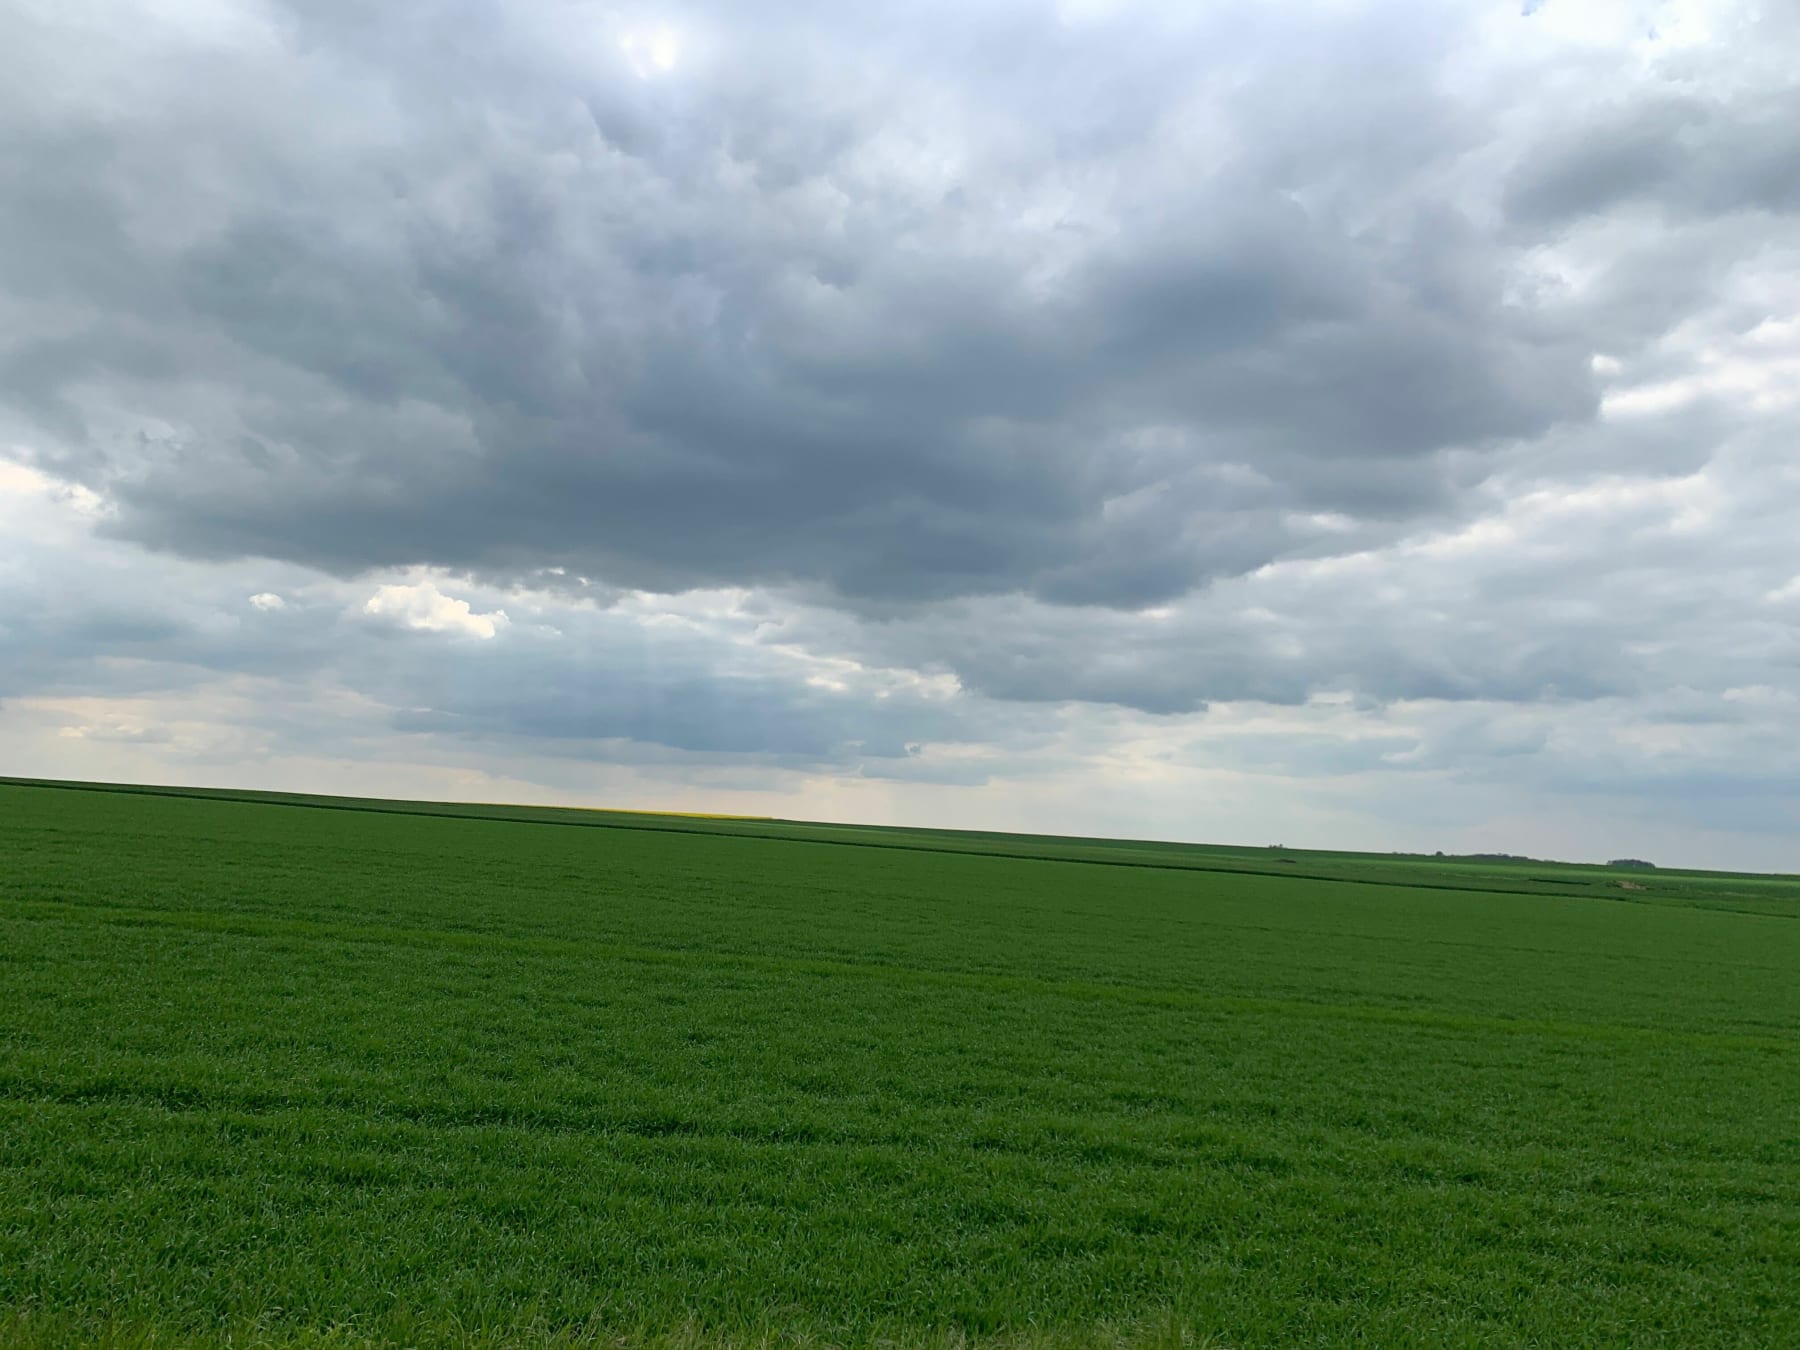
<point>414,1073</point>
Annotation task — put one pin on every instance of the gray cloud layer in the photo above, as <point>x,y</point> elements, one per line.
<point>1080,311</point>
<point>991,358</point>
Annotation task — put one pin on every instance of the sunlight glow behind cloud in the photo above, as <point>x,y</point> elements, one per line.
<point>652,51</point>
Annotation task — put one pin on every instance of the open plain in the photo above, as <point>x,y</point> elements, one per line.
<point>281,1068</point>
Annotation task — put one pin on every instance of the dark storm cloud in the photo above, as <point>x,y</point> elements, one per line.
<point>1676,155</point>
<point>958,306</point>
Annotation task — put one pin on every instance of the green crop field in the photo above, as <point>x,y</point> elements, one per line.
<point>279,1068</point>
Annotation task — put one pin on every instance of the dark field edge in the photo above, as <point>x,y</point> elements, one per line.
<point>777,830</point>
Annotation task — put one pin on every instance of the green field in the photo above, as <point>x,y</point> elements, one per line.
<point>279,1067</point>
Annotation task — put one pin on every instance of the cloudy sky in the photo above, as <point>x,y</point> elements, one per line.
<point>1368,423</point>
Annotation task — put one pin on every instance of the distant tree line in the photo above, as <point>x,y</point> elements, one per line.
<point>1636,863</point>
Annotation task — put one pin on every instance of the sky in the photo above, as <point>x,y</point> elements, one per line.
<point>1337,423</point>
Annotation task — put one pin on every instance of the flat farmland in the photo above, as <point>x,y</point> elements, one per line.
<point>284,1069</point>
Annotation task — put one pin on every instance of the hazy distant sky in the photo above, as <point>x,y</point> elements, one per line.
<point>1335,422</point>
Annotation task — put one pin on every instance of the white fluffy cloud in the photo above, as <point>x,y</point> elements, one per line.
<point>420,604</point>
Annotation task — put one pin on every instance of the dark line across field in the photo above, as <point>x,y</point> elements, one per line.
<point>453,811</point>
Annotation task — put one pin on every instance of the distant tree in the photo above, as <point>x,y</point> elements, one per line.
<point>1637,863</point>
